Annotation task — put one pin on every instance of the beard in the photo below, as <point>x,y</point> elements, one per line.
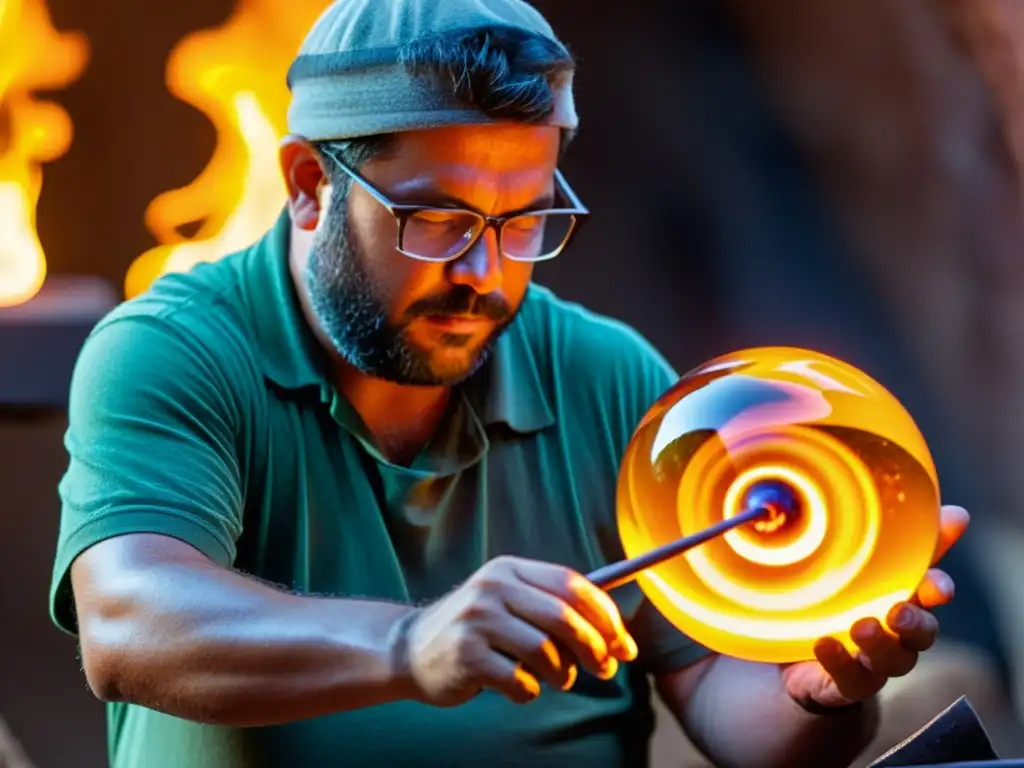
<point>350,306</point>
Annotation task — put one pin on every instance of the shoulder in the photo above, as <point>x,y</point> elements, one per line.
<point>206,303</point>
<point>186,335</point>
<point>587,357</point>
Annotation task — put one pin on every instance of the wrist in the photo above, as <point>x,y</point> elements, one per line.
<point>399,656</point>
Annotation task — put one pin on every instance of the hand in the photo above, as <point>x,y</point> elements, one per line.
<point>513,623</point>
<point>837,678</point>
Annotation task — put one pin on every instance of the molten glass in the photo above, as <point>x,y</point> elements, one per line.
<point>848,481</point>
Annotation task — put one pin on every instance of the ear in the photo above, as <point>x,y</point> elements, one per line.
<point>304,178</point>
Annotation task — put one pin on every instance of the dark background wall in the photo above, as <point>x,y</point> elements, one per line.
<point>753,178</point>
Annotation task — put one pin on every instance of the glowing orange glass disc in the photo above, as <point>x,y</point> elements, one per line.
<point>850,456</point>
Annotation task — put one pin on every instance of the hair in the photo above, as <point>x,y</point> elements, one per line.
<point>504,72</point>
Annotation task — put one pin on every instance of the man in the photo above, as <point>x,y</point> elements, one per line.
<point>329,499</point>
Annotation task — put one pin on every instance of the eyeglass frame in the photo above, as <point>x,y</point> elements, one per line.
<point>403,212</point>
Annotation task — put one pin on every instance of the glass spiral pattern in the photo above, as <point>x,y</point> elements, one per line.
<point>853,459</point>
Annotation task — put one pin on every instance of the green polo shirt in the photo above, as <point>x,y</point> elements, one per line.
<point>201,410</point>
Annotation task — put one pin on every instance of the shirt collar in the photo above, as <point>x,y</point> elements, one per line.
<point>292,357</point>
<point>509,389</point>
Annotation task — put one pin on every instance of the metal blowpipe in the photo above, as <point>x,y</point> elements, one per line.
<point>616,574</point>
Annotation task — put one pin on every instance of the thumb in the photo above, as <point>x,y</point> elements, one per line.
<point>808,681</point>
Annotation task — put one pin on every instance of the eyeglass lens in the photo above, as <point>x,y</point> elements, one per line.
<point>439,234</point>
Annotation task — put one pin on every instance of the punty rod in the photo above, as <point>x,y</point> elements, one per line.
<point>616,574</point>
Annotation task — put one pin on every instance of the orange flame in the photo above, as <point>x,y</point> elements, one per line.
<point>235,75</point>
<point>33,56</point>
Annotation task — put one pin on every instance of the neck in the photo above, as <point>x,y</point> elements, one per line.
<point>400,417</point>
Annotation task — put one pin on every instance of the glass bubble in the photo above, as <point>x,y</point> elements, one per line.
<point>829,447</point>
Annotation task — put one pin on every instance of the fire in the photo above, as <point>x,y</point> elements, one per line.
<point>33,56</point>
<point>235,75</point>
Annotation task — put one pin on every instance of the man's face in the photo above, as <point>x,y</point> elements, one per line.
<point>415,322</point>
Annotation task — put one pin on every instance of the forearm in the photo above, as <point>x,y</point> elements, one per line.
<point>740,715</point>
<point>211,645</point>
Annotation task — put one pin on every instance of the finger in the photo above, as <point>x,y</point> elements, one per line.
<point>535,650</point>
<point>936,589</point>
<point>562,623</point>
<point>502,674</point>
<point>881,651</point>
<point>953,521</point>
<point>588,600</point>
<point>916,628</point>
<point>852,679</point>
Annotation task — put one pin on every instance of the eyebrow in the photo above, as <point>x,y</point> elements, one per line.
<point>427,194</point>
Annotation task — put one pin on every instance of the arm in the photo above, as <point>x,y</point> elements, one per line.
<point>152,505</point>
<point>164,627</point>
<point>739,714</point>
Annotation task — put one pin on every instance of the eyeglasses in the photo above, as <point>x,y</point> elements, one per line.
<point>438,234</point>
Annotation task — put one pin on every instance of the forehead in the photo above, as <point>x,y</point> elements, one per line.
<point>493,148</point>
<point>493,168</point>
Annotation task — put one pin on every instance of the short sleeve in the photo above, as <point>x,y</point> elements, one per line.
<point>663,648</point>
<point>153,428</point>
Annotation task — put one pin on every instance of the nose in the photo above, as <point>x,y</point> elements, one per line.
<point>480,267</point>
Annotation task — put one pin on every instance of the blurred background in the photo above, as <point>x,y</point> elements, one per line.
<point>833,174</point>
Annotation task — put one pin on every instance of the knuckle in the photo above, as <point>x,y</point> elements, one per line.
<point>544,655</point>
<point>609,609</point>
<point>918,611</point>
<point>478,609</point>
<point>537,649</point>
<point>571,581</point>
<point>486,591</point>
<point>487,582</point>
<point>494,575</point>
<point>560,615</point>
<point>565,614</point>
<point>502,565</point>
<point>584,633</point>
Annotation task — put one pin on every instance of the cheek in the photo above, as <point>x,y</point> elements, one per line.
<point>373,228</point>
<point>398,280</point>
<point>373,237</point>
